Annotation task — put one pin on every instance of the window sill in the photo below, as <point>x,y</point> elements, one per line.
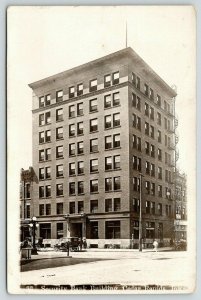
<point>45,124</point>
<point>113,191</point>
<point>92,193</point>
<point>111,170</point>
<point>59,196</point>
<point>80,174</point>
<point>94,172</point>
<point>42,161</point>
<point>72,155</point>
<point>91,152</point>
<point>109,149</point>
<point>72,136</point>
<point>81,194</point>
<point>72,175</point>
<point>79,154</point>
<point>72,195</point>
<point>59,158</point>
<point>80,134</point>
<point>59,139</point>
<point>44,179</point>
<point>93,131</point>
<point>57,121</point>
<point>80,115</point>
<point>119,105</point>
<point>92,112</point>
<point>58,177</point>
<point>72,117</point>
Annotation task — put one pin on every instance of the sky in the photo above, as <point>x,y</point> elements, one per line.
<point>44,40</point>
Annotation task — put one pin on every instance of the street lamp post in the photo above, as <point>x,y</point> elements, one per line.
<point>33,224</point>
<point>140,215</point>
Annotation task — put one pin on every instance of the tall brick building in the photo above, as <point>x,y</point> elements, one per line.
<point>96,127</point>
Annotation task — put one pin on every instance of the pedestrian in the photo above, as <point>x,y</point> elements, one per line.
<point>155,244</point>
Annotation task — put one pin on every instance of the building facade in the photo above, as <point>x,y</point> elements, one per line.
<point>181,207</point>
<point>96,128</point>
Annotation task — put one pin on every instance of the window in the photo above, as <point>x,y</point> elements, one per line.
<point>108,121</point>
<point>108,184</point>
<point>80,187</point>
<point>41,137</point>
<point>93,206</point>
<point>108,163</point>
<point>108,205</point>
<point>59,133</point>
<point>147,186</point>
<point>47,100</point>
<point>116,140</point>
<point>80,207</point>
<point>41,192</point>
<point>107,101</point>
<point>59,208</point>
<point>94,145</point>
<point>80,128</point>
<point>71,188</point>
<point>48,172</point>
<point>152,151</point>
<point>41,209</point>
<point>117,183</point>
<point>41,101</point>
<point>136,184</point>
<point>146,89</point>
<point>112,230</point>
<point>47,118</point>
<point>158,118</point>
<point>59,114</point>
<point>94,186</point>
<point>71,111</point>
<point>71,92</point>
<point>107,80</point>
<point>45,230</point>
<point>117,204</point>
<point>159,154</point>
<point>152,170</point>
<point>138,83</point>
<point>146,128</point>
<point>133,79</point>
<point>59,151</point>
<point>136,163</point>
<point>28,211</point>
<point>93,85</point>
<point>72,207</point>
<point>41,155</point>
<point>116,119</point>
<point>48,136</point>
<point>159,136</point>
<point>153,189</point>
<point>117,162</point>
<point>152,131</point>
<point>150,230</point>
<point>93,125</point>
<point>48,209</point>
<point>72,130</point>
<point>80,167</point>
<point>158,100</point>
<point>48,154</point>
<point>94,230</point>
<point>151,94</point>
<point>108,142</point>
<point>80,110</point>
<point>116,99</point>
<point>60,230</point>
<point>59,96</point>
<point>93,165</point>
<point>147,167</point>
<point>147,148</point>
<point>41,173</point>
<point>72,169</point>
<point>136,101</point>
<point>153,208</point>
<point>71,149</point>
<point>48,191</point>
<point>147,207</point>
<point>93,105</point>
<point>59,170</point>
<point>151,113</point>
<point>136,142</point>
<point>79,89</point>
<point>160,209</point>
<point>41,119</point>
<point>80,148</point>
<point>146,109</point>
<point>115,78</point>
<point>159,173</point>
<point>59,189</point>
<point>159,190</point>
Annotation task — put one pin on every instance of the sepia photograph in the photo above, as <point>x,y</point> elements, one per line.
<point>101,149</point>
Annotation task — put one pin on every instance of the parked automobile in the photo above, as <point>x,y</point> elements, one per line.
<point>180,245</point>
<point>75,244</point>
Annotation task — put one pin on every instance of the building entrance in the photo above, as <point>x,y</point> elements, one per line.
<point>76,230</point>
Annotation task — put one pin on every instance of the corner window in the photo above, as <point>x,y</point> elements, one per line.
<point>115,78</point>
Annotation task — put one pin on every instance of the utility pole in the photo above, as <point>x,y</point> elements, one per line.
<point>140,215</point>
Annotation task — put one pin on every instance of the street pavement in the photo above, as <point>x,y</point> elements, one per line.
<point>129,267</point>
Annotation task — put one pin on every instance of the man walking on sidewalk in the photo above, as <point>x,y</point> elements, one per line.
<point>155,244</point>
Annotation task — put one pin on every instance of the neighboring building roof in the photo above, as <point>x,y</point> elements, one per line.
<point>124,52</point>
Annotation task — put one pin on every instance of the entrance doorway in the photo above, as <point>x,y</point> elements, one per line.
<point>76,230</point>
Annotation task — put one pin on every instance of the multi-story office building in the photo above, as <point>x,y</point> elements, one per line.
<point>96,127</point>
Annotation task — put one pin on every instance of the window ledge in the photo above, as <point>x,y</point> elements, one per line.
<point>94,193</point>
<point>93,131</point>
<point>59,158</point>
